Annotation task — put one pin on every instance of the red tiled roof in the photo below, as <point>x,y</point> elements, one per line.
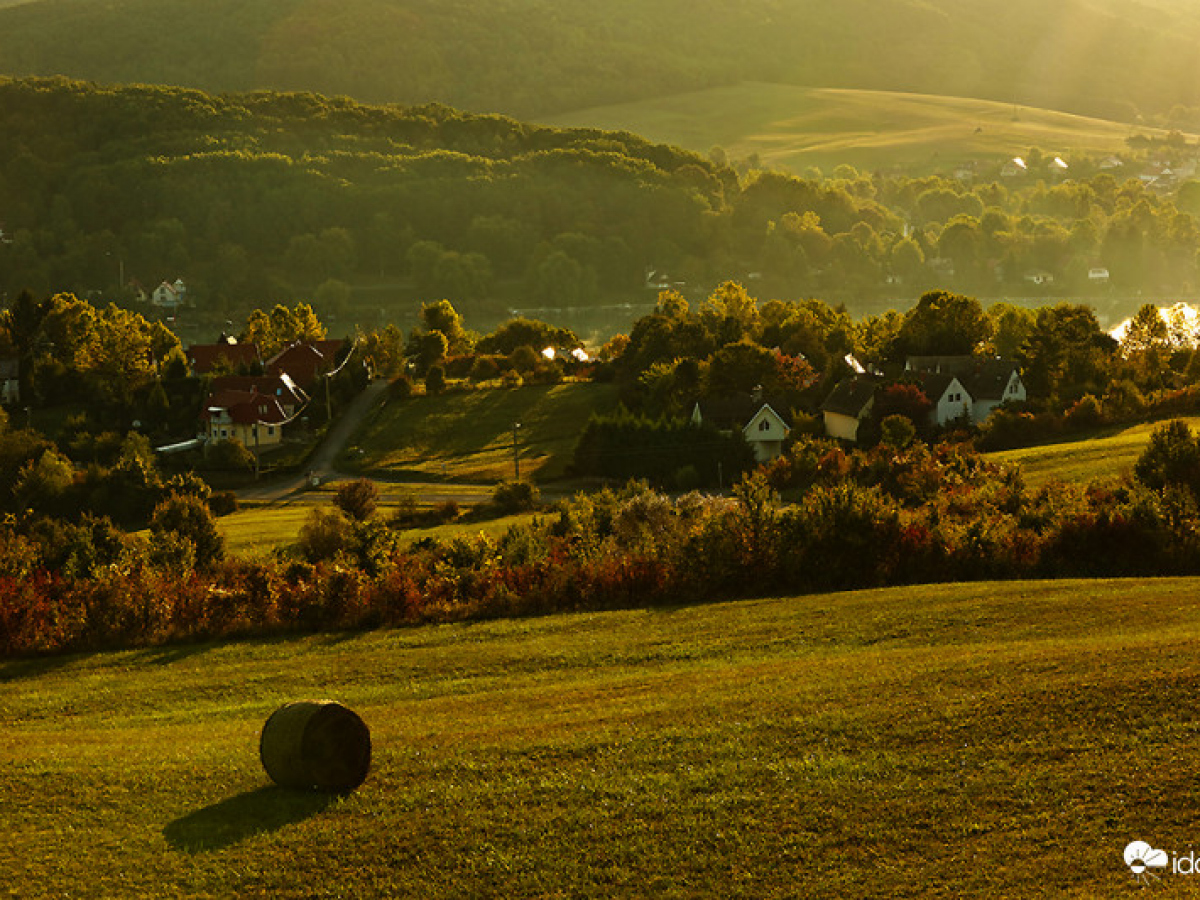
<point>303,361</point>
<point>278,386</point>
<point>246,407</point>
<point>203,357</point>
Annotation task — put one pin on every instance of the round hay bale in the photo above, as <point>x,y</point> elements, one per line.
<point>316,745</point>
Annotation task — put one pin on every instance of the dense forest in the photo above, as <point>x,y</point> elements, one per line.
<point>260,198</point>
<point>1112,58</point>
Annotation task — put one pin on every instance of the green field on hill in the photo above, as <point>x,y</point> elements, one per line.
<point>797,128</point>
<point>976,740</point>
<point>468,436</point>
<point>1106,456</point>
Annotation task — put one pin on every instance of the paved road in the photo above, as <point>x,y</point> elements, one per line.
<point>322,461</point>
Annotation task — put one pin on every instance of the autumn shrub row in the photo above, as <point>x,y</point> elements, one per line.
<point>820,519</point>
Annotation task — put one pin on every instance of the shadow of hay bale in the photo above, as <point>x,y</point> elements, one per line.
<point>238,818</point>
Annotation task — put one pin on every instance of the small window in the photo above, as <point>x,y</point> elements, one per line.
<point>271,430</point>
<point>764,425</point>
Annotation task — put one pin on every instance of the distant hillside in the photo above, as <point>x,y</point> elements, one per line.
<point>797,128</point>
<point>1112,58</point>
<point>270,197</point>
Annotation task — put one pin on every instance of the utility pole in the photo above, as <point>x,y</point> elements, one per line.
<point>516,452</point>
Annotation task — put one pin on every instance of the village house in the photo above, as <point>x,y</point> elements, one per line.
<point>170,296</point>
<point>983,381</point>
<point>963,388</point>
<point>250,417</point>
<point>288,394</point>
<point>850,403</point>
<point>763,427</point>
<point>949,398</point>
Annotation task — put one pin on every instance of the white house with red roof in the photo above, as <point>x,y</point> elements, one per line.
<point>253,418</point>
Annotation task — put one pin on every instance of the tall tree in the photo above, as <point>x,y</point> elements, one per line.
<point>943,324</point>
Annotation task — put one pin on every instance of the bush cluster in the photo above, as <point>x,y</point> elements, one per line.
<point>819,519</point>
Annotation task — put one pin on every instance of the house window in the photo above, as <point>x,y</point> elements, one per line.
<point>271,430</point>
<point>764,425</point>
<point>224,433</point>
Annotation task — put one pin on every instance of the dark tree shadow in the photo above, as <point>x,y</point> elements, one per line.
<point>238,818</point>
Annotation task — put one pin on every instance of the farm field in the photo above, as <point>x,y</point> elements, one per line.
<point>977,740</point>
<point>1096,458</point>
<point>468,436</point>
<point>796,128</point>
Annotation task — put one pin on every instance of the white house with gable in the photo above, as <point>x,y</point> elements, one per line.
<point>170,296</point>
<point>761,425</point>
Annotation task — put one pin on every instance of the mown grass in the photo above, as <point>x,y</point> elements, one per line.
<point>1098,458</point>
<point>985,740</point>
<point>796,128</point>
<point>469,435</point>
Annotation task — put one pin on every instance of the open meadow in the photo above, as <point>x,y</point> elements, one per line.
<point>260,528</point>
<point>468,435</point>
<point>985,740</point>
<point>1105,456</point>
<point>796,128</point>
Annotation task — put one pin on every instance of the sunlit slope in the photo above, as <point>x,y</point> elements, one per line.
<point>988,740</point>
<point>1113,58</point>
<point>1105,456</point>
<point>797,128</point>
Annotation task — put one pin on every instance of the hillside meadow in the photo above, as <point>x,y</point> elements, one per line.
<point>800,128</point>
<point>996,739</point>
<point>468,435</point>
<point>1105,456</point>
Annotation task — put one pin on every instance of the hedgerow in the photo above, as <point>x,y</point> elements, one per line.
<point>821,518</point>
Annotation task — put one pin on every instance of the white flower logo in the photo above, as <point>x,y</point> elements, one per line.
<point>1140,856</point>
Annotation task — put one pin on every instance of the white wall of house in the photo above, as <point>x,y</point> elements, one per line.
<point>841,426</point>
<point>1014,392</point>
<point>953,404</point>
<point>765,433</point>
<point>226,430</point>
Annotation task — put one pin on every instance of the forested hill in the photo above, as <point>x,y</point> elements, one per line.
<point>270,197</point>
<point>530,58</point>
<point>266,196</point>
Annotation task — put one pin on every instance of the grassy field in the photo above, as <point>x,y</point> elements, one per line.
<point>951,741</point>
<point>259,530</point>
<point>1096,458</point>
<point>796,128</point>
<point>468,436</point>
